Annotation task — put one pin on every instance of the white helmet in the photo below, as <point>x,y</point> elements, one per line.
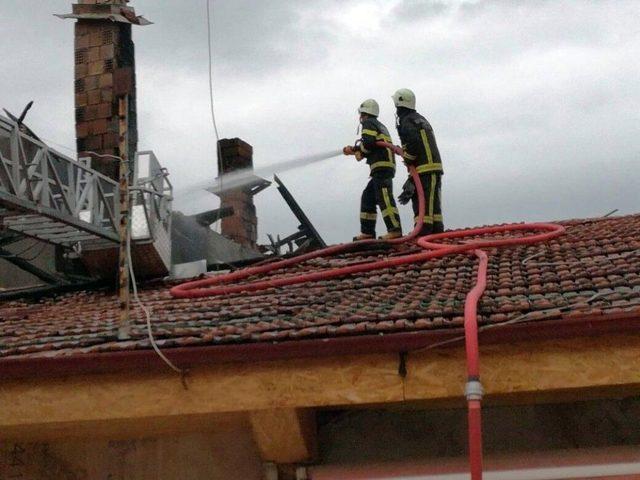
<point>369,106</point>
<point>404,98</point>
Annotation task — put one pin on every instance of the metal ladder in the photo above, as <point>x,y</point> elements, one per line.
<point>51,197</point>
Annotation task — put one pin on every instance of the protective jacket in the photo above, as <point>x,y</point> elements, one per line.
<point>381,160</point>
<point>418,141</point>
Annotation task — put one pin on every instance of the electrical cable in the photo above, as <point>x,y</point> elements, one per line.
<point>95,154</point>
<point>134,288</point>
<point>36,255</point>
<point>59,145</point>
<point>146,311</point>
<point>523,318</point>
<point>210,50</point>
<point>626,254</point>
<point>218,226</point>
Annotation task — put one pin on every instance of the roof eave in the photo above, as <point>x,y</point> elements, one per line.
<point>189,357</point>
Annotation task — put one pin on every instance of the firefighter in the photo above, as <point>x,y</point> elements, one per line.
<point>419,149</point>
<point>382,166</point>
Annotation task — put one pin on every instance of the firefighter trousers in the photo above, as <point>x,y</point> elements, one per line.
<point>379,193</point>
<point>433,221</point>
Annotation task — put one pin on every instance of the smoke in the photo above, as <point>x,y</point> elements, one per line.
<point>241,178</point>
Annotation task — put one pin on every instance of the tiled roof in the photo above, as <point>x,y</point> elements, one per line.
<point>595,257</point>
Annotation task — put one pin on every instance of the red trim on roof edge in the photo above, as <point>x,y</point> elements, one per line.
<point>189,357</point>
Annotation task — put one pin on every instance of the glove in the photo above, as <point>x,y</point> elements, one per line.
<point>408,191</point>
<point>359,155</point>
<point>348,150</point>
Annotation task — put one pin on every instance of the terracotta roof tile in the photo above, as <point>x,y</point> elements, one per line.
<point>595,257</point>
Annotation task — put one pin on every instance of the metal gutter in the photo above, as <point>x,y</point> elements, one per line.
<point>190,357</point>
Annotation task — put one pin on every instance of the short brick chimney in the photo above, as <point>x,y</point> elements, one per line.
<point>242,226</point>
<point>104,69</point>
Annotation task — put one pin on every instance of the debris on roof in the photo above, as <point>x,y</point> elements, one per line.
<point>306,238</point>
<point>193,239</point>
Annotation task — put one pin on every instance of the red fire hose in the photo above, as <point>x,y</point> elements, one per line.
<point>219,285</point>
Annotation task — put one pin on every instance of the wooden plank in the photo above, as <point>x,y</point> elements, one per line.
<point>285,435</point>
<point>66,403</point>
<point>530,369</point>
<point>128,428</point>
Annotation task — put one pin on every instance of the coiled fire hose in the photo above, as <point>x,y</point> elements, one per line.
<point>222,285</point>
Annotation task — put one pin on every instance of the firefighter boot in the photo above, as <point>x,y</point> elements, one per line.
<point>391,235</point>
<point>363,236</point>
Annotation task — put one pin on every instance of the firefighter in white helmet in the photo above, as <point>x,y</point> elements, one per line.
<point>420,149</point>
<point>382,166</point>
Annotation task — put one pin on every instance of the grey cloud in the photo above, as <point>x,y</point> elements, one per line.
<point>496,31</point>
<point>410,11</point>
<point>249,37</point>
<point>37,64</point>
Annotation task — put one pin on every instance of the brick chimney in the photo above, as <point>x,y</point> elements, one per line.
<point>104,70</point>
<point>242,226</point>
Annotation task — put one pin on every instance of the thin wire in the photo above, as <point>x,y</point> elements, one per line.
<point>36,255</point>
<point>553,264</point>
<point>134,287</point>
<point>59,145</point>
<point>525,317</point>
<point>218,226</point>
<point>626,254</point>
<point>146,311</point>
<point>210,49</point>
<point>95,154</point>
<point>21,252</point>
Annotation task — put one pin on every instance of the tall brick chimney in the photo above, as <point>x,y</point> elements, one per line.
<point>104,70</point>
<point>242,226</point>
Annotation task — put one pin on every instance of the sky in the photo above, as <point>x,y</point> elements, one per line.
<point>535,104</point>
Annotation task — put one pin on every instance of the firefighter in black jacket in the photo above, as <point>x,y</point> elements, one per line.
<point>420,149</point>
<point>382,165</point>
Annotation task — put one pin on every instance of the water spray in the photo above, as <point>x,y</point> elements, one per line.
<point>241,178</point>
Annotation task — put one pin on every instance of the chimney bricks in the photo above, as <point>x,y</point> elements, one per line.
<point>103,50</point>
<point>242,226</point>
